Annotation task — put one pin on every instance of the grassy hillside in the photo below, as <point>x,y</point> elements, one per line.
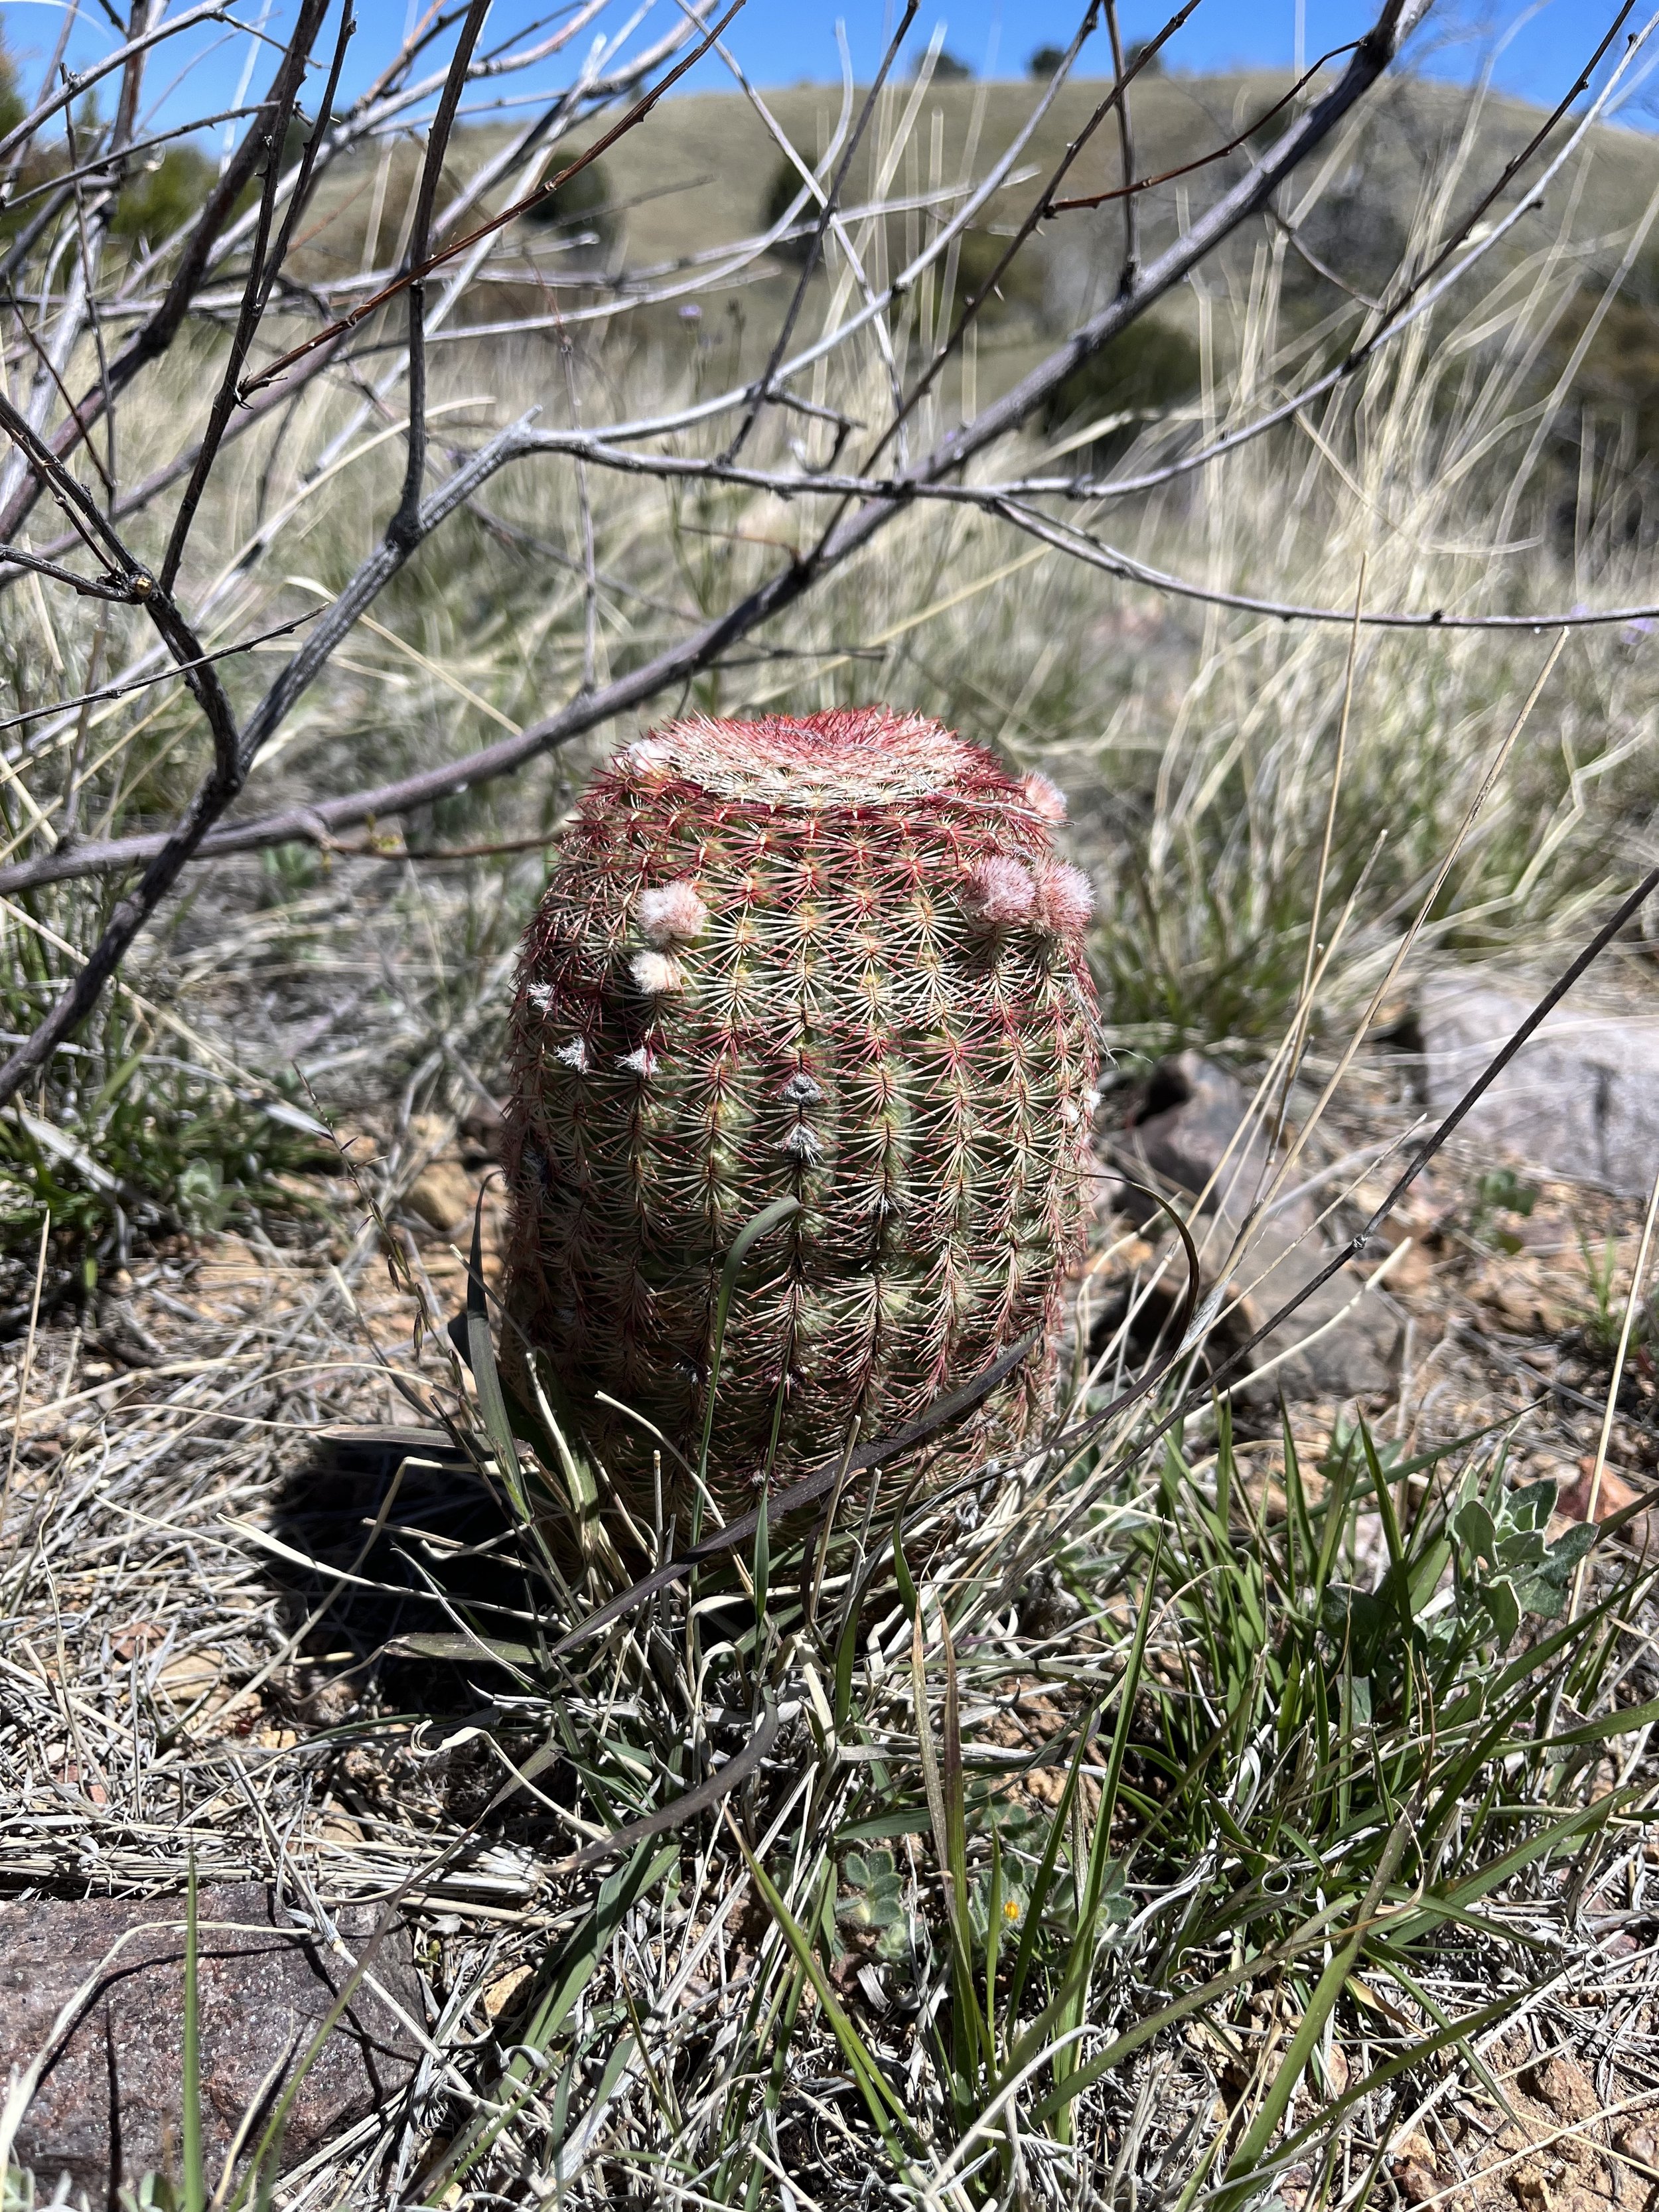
<point>705,173</point>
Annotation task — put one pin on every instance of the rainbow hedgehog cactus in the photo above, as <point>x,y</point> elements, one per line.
<point>836,959</point>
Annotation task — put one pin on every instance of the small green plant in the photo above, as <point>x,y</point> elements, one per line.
<point>129,1140</point>
<point>1602,1320</point>
<point>1501,1191</point>
<point>1507,1568</point>
<point>876,1904</point>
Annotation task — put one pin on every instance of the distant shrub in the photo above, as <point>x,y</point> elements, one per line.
<point>1047,59</point>
<point>949,68</point>
<point>582,213</point>
<point>780,196</point>
<point>163,190</point>
<point>1152,367</point>
<point>11,106</point>
<point>1020,283</point>
<point>1618,375</point>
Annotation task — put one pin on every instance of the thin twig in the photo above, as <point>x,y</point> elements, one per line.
<point>634,116</point>
<point>419,236</point>
<point>272,127</point>
<point>1127,154</point>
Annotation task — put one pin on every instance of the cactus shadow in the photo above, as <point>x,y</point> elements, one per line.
<point>387,1543</point>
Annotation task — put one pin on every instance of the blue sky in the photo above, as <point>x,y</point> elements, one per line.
<point>1539,48</point>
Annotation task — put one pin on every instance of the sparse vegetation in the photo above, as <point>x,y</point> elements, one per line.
<point>1199,1809</point>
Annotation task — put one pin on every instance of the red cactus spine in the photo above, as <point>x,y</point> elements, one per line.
<point>834,959</point>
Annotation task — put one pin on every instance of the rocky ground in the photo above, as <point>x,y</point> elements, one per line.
<point>189,1661</point>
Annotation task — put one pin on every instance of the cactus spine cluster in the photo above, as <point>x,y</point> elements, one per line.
<point>836,958</point>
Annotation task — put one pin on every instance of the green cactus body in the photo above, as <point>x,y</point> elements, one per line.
<point>834,959</point>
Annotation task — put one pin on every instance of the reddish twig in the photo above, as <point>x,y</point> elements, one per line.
<point>1130,191</point>
<point>1126,153</point>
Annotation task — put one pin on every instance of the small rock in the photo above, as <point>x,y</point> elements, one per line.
<point>112,2093</point>
<point>1613,1493</point>
<point>1640,2144</point>
<point>1414,2170</point>
<point>1562,2084</point>
<point>501,1994</point>
<point>481,1127</point>
<point>1522,1295</point>
<point>442,1194</point>
<point>1294,2184</point>
<point>1193,1112</point>
<point>1579,1100</point>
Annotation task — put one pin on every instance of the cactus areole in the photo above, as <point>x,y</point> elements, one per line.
<point>834,959</point>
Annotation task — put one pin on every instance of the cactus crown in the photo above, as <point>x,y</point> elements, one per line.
<point>835,958</point>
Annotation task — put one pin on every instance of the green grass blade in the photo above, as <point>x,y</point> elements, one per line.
<point>1471,2025</point>
<point>1312,2027</point>
<point>195,2175</point>
<point>572,1968</point>
<point>481,1353</point>
<point>1045,1874</point>
<point>885,2107</point>
<point>1081,1967</point>
<point>763,1565</point>
<point>769,1218</point>
<point>955,1823</point>
<point>950,1849</point>
<point>1129,1687</point>
<point>1310,1935</point>
<point>1400,1577</point>
<point>907,1587</point>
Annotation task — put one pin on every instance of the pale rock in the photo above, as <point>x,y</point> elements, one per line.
<point>1193,1111</point>
<point>1580,1100</point>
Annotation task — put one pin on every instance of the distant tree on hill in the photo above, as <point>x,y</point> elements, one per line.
<point>784,186</point>
<point>947,69</point>
<point>11,107</point>
<point>1047,59</point>
<point>163,192</point>
<point>581,212</point>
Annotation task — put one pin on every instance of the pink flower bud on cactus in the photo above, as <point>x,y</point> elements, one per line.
<point>1064,901</point>
<point>674,915</point>
<point>882,1010</point>
<point>1043,797</point>
<point>999,890</point>
<point>655,972</point>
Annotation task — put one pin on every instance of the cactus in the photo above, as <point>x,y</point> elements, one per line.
<point>835,958</point>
